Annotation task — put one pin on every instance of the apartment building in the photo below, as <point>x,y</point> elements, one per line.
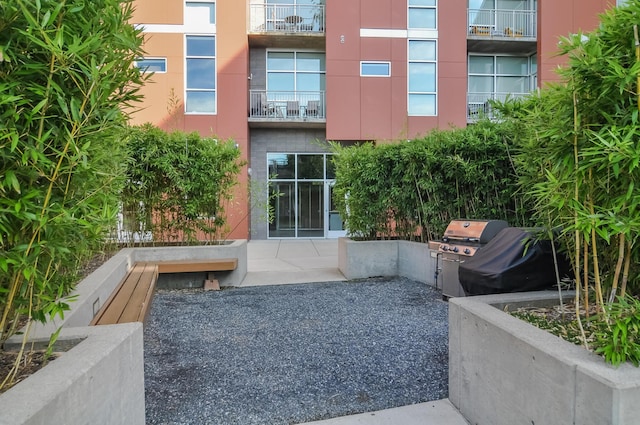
<point>281,77</point>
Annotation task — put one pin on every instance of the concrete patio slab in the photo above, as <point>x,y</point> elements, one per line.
<point>440,412</point>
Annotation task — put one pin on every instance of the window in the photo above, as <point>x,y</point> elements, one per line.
<point>422,14</point>
<point>498,76</point>
<point>201,74</point>
<point>295,71</point>
<point>200,12</point>
<point>375,69</point>
<point>152,64</point>
<point>422,77</point>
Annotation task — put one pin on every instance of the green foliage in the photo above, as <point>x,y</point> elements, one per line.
<point>578,160</point>
<point>177,184</point>
<point>413,190</point>
<point>619,342</point>
<point>65,72</point>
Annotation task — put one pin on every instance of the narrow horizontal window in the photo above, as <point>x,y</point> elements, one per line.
<point>375,69</point>
<point>152,64</point>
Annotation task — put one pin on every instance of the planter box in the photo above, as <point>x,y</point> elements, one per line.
<point>98,381</point>
<point>96,288</point>
<point>365,259</point>
<point>101,379</point>
<point>504,371</point>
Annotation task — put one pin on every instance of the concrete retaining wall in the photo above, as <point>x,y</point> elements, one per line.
<point>101,379</point>
<point>365,259</point>
<point>504,371</point>
<point>98,381</point>
<point>95,289</point>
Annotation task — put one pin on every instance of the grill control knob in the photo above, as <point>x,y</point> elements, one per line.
<point>467,251</point>
<point>455,249</point>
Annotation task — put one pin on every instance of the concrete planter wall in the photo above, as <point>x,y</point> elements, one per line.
<point>101,379</point>
<point>364,259</point>
<point>504,371</point>
<point>98,381</point>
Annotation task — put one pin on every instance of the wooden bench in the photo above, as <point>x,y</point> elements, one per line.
<point>131,300</point>
<point>209,265</point>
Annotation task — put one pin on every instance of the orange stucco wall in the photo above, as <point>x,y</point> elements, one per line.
<point>164,93</point>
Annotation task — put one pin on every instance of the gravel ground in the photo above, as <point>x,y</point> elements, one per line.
<point>290,354</point>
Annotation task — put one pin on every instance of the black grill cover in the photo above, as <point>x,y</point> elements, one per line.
<point>515,260</point>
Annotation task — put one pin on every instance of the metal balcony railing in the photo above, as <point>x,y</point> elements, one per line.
<point>496,23</point>
<point>291,18</point>
<point>479,106</point>
<point>287,105</point>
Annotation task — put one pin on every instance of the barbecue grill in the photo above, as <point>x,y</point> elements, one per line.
<point>462,239</point>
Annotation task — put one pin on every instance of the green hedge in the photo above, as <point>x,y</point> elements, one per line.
<point>412,190</point>
<point>177,184</point>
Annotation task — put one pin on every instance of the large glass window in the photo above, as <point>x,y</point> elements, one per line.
<point>295,71</point>
<point>201,74</point>
<point>498,76</point>
<point>422,14</point>
<point>422,77</point>
<point>200,12</point>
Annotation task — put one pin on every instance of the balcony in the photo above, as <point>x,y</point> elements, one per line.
<point>287,108</point>
<point>506,31</point>
<point>287,25</point>
<point>479,106</point>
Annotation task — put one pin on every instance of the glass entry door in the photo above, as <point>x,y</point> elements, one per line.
<point>335,223</point>
<point>310,209</point>
<point>300,187</point>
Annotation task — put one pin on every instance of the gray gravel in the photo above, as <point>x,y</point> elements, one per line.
<point>290,354</point>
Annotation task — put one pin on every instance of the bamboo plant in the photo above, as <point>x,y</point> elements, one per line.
<point>65,72</point>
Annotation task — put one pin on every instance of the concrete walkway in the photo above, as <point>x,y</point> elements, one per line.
<point>277,262</point>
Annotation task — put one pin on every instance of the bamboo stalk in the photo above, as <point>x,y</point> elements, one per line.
<point>576,193</point>
<point>625,272</point>
<point>616,275</point>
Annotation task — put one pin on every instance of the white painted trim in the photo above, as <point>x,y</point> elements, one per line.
<point>176,28</point>
<point>414,33</point>
<point>397,33</point>
<point>383,33</point>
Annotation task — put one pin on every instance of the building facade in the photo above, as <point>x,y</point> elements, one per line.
<point>282,77</point>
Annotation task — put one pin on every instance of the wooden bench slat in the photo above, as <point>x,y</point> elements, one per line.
<point>209,265</point>
<point>129,302</point>
<point>139,303</point>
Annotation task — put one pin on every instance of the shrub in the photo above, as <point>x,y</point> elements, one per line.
<point>177,184</point>
<point>65,72</point>
<point>413,189</point>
